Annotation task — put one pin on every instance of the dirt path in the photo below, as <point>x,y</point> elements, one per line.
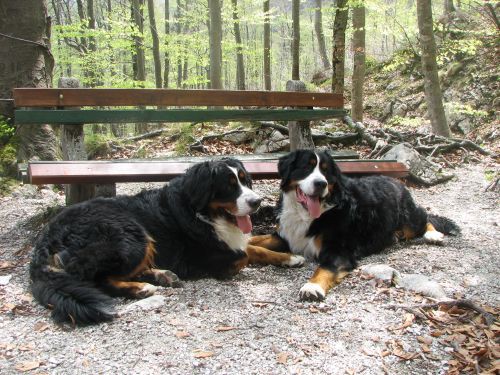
<point>255,323</point>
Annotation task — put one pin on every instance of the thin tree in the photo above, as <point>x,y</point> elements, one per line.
<point>338,59</point>
<point>318,28</point>
<point>139,58</point>
<point>296,40</point>
<point>358,74</point>
<point>267,47</point>
<point>240,66</point>
<point>215,37</point>
<point>433,95</point>
<point>27,62</point>
<point>156,43</point>
<point>166,67</point>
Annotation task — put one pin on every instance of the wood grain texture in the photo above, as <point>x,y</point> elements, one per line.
<point>28,97</point>
<point>40,172</point>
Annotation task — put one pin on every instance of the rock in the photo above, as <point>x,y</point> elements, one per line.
<point>421,170</point>
<point>399,109</point>
<point>414,282</point>
<point>387,110</point>
<point>420,284</point>
<point>454,69</point>
<point>275,142</point>
<point>239,137</point>
<point>4,280</point>
<point>146,304</point>
<point>380,271</point>
<point>391,86</point>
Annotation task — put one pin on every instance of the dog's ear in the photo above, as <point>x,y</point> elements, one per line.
<point>197,185</point>
<point>285,167</point>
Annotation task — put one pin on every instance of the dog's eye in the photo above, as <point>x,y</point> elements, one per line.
<point>324,167</point>
<point>241,175</point>
<point>312,162</point>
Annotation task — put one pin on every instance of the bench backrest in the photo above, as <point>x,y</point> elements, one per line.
<point>272,105</point>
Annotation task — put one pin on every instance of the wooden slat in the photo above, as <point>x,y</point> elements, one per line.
<point>175,115</point>
<point>30,97</point>
<point>71,172</point>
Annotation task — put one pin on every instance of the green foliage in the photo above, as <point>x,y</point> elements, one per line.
<point>406,122</point>
<point>466,109</point>
<point>8,159</point>
<point>403,60</point>
<point>453,49</point>
<point>6,131</point>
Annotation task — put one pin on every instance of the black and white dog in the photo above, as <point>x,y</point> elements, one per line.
<point>196,226</point>
<point>336,220</point>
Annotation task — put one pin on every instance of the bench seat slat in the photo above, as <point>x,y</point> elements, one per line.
<point>151,171</point>
<point>30,97</point>
<point>174,115</point>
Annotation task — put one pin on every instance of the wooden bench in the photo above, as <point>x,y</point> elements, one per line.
<point>57,106</point>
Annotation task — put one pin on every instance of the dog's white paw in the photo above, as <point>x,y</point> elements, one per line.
<point>146,291</point>
<point>294,261</point>
<point>312,292</point>
<point>434,237</point>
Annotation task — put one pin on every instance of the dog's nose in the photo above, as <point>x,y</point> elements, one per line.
<point>319,185</point>
<point>254,202</point>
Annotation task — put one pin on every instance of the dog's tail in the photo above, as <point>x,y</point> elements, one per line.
<point>70,299</point>
<point>444,225</point>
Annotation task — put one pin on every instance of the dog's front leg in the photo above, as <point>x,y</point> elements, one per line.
<point>261,255</point>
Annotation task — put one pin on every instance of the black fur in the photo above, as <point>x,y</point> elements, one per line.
<point>367,212</point>
<point>87,243</point>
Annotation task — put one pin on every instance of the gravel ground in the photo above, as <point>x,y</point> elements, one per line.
<point>254,324</point>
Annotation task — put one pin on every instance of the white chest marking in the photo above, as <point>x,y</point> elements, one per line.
<point>230,234</point>
<point>294,223</point>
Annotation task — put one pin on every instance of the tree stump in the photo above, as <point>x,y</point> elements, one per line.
<point>73,148</point>
<point>299,131</point>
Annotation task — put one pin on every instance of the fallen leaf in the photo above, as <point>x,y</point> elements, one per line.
<point>425,348</point>
<point>27,366</point>
<point>224,328</point>
<point>203,354</point>
<point>5,264</point>
<point>282,357</point>
<point>40,326</point>
<point>182,334</point>
<point>260,304</point>
<point>425,340</point>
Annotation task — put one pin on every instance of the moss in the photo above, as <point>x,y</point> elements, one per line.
<point>97,145</point>
<point>8,160</point>
<point>7,185</point>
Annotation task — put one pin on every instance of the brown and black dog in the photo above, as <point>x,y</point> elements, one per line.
<point>335,219</point>
<point>196,226</point>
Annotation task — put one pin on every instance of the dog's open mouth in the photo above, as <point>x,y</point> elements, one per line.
<point>243,222</point>
<point>311,203</point>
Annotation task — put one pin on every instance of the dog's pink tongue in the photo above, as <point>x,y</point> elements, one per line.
<point>313,206</point>
<point>244,223</point>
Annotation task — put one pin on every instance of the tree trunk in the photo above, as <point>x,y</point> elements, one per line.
<point>267,47</point>
<point>296,40</point>
<point>338,59</point>
<point>180,47</point>
<point>358,74</point>
<point>139,59</point>
<point>449,7</point>
<point>215,44</point>
<point>166,67</point>
<point>156,43</point>
<point>299,132</point>
<point>318,28</point>
<point>433,94</point>
<point>73,148</point>
<point>26,61</point>
<point>240,67</point>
